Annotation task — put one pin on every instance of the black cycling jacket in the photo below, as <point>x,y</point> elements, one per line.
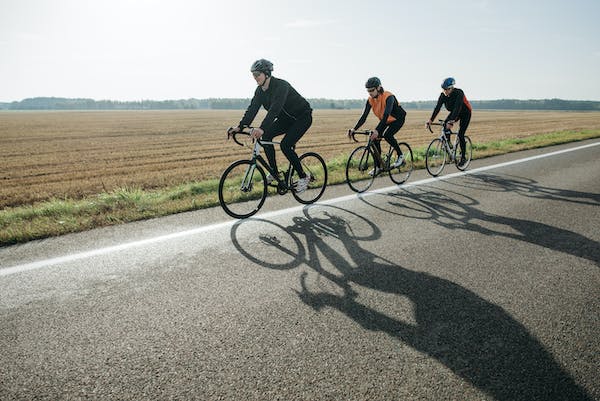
<point>281,99</point>
<point>457,104</point>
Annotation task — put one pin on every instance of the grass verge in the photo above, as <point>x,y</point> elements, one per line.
<point>61,216</point>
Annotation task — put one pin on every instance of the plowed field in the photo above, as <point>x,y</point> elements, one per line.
<point>47,155</point>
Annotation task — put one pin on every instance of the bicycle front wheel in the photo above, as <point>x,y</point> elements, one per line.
<point>242,189</point>
<point>314,167</point>
<point>435,157</point>
<point>360,169</point>
<point>468,154</point>
<point>401,173</point>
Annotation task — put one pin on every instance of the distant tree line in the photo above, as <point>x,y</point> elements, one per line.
<point>57,103</point>
<point>516,104</point>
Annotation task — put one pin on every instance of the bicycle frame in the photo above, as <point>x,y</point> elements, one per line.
<point>442,149</point>
<point>283,185</point>
<point>243,187</point>
<point>449,147</point>
<point>370,144</point>
<point>360,159</point>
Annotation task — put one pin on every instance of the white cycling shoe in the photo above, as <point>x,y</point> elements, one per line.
<point>302,184</point>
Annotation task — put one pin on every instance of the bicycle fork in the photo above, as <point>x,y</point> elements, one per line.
<point>246,185</point>
<point>377,158</point>
<point>364,161</point>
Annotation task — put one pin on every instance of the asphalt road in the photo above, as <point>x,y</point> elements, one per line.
<point>479,286</point>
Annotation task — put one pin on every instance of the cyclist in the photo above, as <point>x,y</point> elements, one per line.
<point>287,113</point>
<point>460,110</point>
<point>391,118</point>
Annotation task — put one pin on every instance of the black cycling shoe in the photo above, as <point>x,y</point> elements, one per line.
<point>462,162</point>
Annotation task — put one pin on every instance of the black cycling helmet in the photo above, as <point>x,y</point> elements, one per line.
<point>373,82</point>
<point>448,82</point>
<point>262,65</point>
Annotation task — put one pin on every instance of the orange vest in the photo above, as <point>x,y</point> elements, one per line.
<point>378,105</point>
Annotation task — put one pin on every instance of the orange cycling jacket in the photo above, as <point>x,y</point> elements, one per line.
<point>386,107</point>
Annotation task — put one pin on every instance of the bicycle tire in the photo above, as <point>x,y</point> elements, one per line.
<point>435,157</point>
<point>313,165</point>
<point>400,174</point>
<point>234,199</point>
<point>468,154</point>
<point>360,163</point>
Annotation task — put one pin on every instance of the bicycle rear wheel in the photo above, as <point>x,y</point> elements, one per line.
<point>314,166</point>
<point>401,173</point>
<point>360,163</point>
<point>468,154</point>
<point>242,189</point>
<point>435,157</point>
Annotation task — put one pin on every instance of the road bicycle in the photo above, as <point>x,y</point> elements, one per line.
<point>366,162</point>
<point>243,187</point>
<point>442,150</point>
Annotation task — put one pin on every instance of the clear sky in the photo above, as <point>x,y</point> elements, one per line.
<point>178,49</point>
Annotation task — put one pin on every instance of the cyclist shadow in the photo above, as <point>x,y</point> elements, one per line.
<point>479,341</point>
<point>453,210</point>
<point>527,187</point>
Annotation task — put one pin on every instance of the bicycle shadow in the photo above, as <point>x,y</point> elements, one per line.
<point>526,187</point>
<point>456,211</point>
<point>479,341</point>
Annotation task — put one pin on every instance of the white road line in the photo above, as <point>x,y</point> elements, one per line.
<point>116,248</point>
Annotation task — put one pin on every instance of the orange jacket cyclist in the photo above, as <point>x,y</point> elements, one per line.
<point>287,113</point>
<point>391,118</point>
<point>460,110</point>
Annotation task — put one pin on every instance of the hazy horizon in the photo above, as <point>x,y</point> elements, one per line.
<point>249,97</point>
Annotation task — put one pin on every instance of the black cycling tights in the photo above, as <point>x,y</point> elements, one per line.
<point>388,135</point>
<point>293,129</point>
<point>464,124</point>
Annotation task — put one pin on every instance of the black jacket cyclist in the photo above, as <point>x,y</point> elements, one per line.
<point>287,113</point>
<point>460,110</point>
<point>391,117</point>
